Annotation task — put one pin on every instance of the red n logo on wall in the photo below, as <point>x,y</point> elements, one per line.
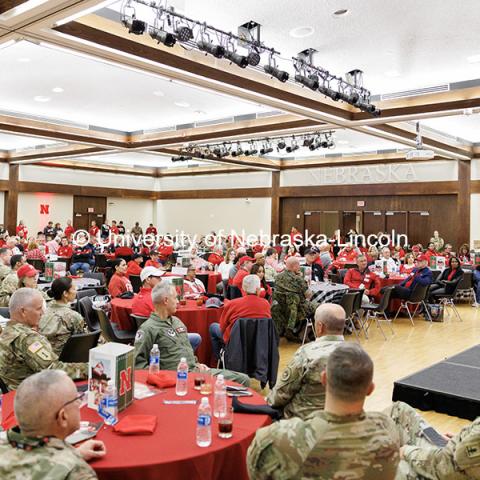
<point>125,381</point>
<point>44,209</point>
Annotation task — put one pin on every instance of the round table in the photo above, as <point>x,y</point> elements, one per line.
<point>209,279</point>
<point>325,292</point>
<point>196,319</point>
<point>171,451</point>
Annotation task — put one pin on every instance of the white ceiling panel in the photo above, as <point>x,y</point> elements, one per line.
<point>19,142</point>
<point>466,127</point>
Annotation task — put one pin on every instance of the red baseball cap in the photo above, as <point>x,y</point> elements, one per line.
<point>244,259</point>
<point>422,258</point>
<point>26,271</point>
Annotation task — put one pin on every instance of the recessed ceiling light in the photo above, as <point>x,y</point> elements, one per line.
<point>341,13</point>
<point>473,59</point>
<point>158,93</point>
<point>343,142</point>
<point>57,90</point>
<point>392,73</point>
<point>200,112</point>
<point>182,104</point>
<point>301,32</point>
<point>23,60</point>
<point>41,98</point>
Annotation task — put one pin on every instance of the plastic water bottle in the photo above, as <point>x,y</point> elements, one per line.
<point>204,424</point>
<point>182,378</point>
<point>220,397</point>
<point>154,366</point>
<point>108,408</point>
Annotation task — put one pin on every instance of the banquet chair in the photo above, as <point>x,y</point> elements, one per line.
<point>4,312</point>
<point>465,288</point>
<point>138,320</point>
<point>309,325</point>
<point>348,302</point>
<point>77,348</point>
<point>100,262</point>
<point>136,283</point>
<point>233,292</point>
<point>203,277</point>
<point>377,311</point>
<point>342,272</point>
<point>417,298</point>
<point>448,299</point>
<point>110,331</point>
<point>86,310</point>
<point>3,387</point>
<point>87,292</point>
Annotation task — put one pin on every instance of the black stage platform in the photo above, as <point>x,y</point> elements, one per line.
<point>451,386</point>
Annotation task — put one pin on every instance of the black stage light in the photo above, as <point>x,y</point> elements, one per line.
<point>313,146</point>
<point>216,50</point>
<point>184,33</point>
<point>168,39</point>
<point>253,58</point>
<point>309,82</point>
<point>333,94</point>
<point>281,144</point>
<point>275,72</point>
<point>292,148</point>
<point>307,142</point>
<point>137,27</point>
<point>237,59</point>
<point>264,151</point>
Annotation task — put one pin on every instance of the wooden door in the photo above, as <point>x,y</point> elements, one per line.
<point>373,222</point>
<point>349,222</point>
<point>312,223</point>
<point>396,221</point>
<point>419,228</point>
<point>329,223</point>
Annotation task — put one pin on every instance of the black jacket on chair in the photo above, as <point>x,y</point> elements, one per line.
<point>449,285</point>
<point>253,349</point>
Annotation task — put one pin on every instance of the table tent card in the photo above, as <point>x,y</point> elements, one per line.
<point>112,361</point>
<point>54,270</point>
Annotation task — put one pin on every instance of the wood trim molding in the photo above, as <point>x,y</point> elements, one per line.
<point>217,193</point>
<point>11,200</point>
<point>463,202</point>
<point>275,212</point>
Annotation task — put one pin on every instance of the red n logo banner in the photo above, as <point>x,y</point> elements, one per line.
<point>125,381</point>
<point>44,209</point>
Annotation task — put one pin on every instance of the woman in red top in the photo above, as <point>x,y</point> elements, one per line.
<point>447,281</point>
<point>65,250</point>
<point>119,283</point>
<point>409,264</point>
<point>69,230</point>
<point>265,288</point>
<point>430,251</point>
<point>21,227</point>
<point>34,253</point>
<point>153,261</point>
<point>464,254</point>
<point>134,267</point>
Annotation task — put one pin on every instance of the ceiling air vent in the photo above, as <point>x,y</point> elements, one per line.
<point>414,93</point>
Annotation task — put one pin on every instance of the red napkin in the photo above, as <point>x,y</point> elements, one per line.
<point>136,425</point>
<point>162,379</point>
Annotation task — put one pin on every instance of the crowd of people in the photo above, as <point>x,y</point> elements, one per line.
<point>320,394</point>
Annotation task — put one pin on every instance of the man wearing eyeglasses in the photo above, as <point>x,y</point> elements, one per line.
<point>23,351</point>
<point>47,408</point>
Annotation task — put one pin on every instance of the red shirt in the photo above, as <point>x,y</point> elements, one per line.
<point>114,230</point>
<point>133,268</point>
<point>93,231</point>
<point>164,251</point>
<point>118,285</point>
<point>249,306</point>
<point>124,251</point>
<point>66,252</point>
<point>193,288</point>
<point>347,257</point>
<point>406,268</point>
<point>430,253</point>
<point>151,230</point>
<point>354,278</point>
<point>142,304</point>
<point>238,279</point>
<point>22,228</point>
<point>152,263</point>
<point>69,231</point>
<point>215,259</point>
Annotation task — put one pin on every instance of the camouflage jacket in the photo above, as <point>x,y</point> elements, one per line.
<point>326,447</point>
<point>59,323</point>
<point>24,351</point>
<point>9,285</point>
<point>4,271</point>
<point>299,390</point>
<point>22,457</point>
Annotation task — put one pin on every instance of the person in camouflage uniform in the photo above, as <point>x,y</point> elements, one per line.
<point>299,391</point>
<point>341,442</point>
<point>60,322</point>
<point>10,282</point>
<point>23,351</point>
<point>47,408</point>
<point>171,336</point>
<point>459,459</point>
<point>290,306</point>
<point>5,267</point>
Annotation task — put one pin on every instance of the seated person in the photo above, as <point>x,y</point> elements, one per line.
<point>409,264</point>
<point>244,266</point>
<point>28,277</point>
<point>198,262</point>
<point>249,306</point>
<point>34,253</point>
<point>153,260</point>
<point>216,258</point>
<point>24,351</point>
<point>386,257</point>
<point>271,265</point>
<point>119,283</point>
<point>265,288</point>
<point>420,459</point>
<point>133,266</point>
<point>65,250</point>
<point>170,334</point>
<point>192,286</point>
<point>143,306</point>
<point>447,252</point>
<point>421,274</point>
<point>464,255</point>
<point>299,390</point>
<point>445,284</point>
<point>47,408</point>
<point>311,257</point>
<point>10,282</point>
<point>342,441</point>
<point>124,251</point>
<point>5,267</point>
<point>290,305</point>
<point>325,257</point>
<point>60,321</point>
<point>430,251</point>
<point>83,257</point>
<point>348,254</point>
<point>362,278</point>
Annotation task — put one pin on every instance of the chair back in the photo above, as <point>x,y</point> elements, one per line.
<point>136,283</point>
<point>385,300</point>
<point>105,325</point>
<point>3,387</point>
<point>203,277</point>
<point>347,302</point>
<point>4,312</point>
<point>456,285</point>
<point>357,302</point>
<point>419,293</point>
<point>233,292</point>
<point>88,292</point>
<point>37,264</point>
<point>85,307</point>
<point>100,260</point>
<point>466,282</point>
<point>96,275</point>
<point>342,272</point>
<point>335,278</point>
<point>138,320</point>
<point>78,347</point>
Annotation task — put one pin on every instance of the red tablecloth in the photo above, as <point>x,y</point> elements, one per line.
<point>196,319</point>
<point>395,303</point>
<point>171,452</point>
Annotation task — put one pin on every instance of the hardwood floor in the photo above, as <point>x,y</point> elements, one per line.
<point>410,349</point>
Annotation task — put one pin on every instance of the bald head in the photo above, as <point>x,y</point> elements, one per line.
<point>292,264</point>
<point>329,319</point>
<point>39,398</point>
